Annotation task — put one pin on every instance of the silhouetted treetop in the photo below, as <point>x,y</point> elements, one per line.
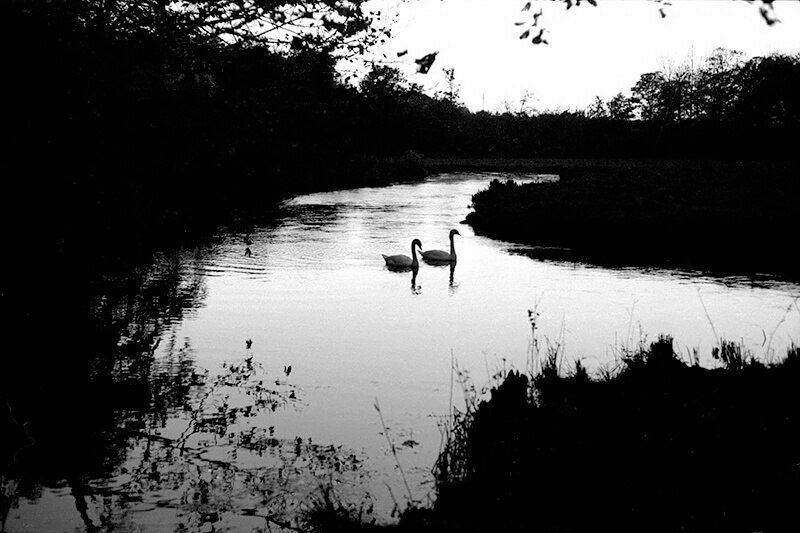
<point>725,88</point>
<point>383,81</point>
<point>335,25</point>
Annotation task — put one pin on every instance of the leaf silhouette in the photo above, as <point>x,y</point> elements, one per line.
<point>425,62</point>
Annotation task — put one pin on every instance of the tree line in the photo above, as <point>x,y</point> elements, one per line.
<point>727,107</point>
<point>723,89</point>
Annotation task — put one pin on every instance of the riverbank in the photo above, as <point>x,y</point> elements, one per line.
<point>732,217</point>
<point>660,444</point>
<point>437,165</point>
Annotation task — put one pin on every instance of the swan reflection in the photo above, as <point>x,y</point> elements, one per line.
<point>453,284</point>
<point>415,289</point>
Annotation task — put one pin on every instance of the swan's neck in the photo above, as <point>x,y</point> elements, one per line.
<point>452,246</point>
<point>413,255</point>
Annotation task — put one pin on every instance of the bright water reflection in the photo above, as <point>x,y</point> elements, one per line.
<point>315,294</point>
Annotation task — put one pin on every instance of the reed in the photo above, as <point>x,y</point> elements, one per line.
<point>621,448</point>
<point>563,449</point>
<point>393,449</point>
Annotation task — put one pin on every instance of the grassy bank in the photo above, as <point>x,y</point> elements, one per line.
<point>733,217</point>
<point>657,445</point>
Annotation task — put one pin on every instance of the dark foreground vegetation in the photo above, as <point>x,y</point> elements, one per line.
<point>655,445</point>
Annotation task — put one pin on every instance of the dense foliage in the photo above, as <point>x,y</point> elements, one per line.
<point>657,444</point>
<point>724,216</point>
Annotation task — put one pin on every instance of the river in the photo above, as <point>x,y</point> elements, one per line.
<point>306,360</point>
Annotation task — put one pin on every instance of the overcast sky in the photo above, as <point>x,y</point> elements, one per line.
<point>592,51</point>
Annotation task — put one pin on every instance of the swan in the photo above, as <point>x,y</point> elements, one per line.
<point>403,261</point>
<point>441,255</point>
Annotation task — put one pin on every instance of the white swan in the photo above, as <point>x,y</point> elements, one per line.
<point>441,255</point>
<point>403,261</point>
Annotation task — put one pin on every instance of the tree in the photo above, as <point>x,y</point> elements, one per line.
<point>662,97</point>
<point>597,109</point>
<point>718,84</point>
<point>769,92</point>
<point>451,95</point>
<point>331,24</point>
<point>762,91</point>
<point>647,95</point>
<point>383,81</point>
<point>620,107</point>
<point>524,110</point>
<point>676,96</point>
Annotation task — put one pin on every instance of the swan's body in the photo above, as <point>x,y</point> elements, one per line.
<point>403,261</point>
<point>441,255</point>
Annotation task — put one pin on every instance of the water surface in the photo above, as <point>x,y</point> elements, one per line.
<point>280,356</point>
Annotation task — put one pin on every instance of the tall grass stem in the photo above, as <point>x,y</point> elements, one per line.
<point>394,451</point>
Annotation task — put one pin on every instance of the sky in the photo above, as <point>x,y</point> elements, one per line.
<point>591,51</point>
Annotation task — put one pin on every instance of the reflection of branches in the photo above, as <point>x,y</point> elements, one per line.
<point>222,461</point>
<point>167,435</point>
<point>207,488</point>
<point>79,493</point>
<point>132,313</point>
<point>22,432</point>
<point>119,332</point>
<point>211,412</point>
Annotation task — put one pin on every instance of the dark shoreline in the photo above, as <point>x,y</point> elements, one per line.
<point>725,217</point>
<point>662,445</point>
